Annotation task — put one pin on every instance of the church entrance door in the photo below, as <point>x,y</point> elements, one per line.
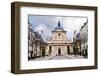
<point>59,51</point>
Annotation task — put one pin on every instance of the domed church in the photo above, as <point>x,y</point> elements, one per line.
<point>59,43</point>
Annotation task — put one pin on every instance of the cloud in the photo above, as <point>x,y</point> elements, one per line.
<point>45,24</point>
<point>44,31</point>
<point>71,24</point>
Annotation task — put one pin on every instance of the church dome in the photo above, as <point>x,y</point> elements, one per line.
<point>59,27</point>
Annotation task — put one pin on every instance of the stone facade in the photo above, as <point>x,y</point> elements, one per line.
<point>84,38</point>
<point>59,43</point>
<point>36,45</point>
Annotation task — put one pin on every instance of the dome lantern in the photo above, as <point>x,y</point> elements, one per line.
<point>59,27</point>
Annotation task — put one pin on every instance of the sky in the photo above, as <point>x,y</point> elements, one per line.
<point>46,24</point>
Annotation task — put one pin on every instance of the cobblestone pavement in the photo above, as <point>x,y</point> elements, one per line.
<point>60,57</point>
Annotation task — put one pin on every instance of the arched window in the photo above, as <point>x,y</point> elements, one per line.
<point>59,35</point>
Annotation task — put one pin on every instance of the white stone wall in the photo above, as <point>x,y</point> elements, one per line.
<point>61,37</point>
<point>59,40</point>
<point>64,50</point>
<point>47,50</point>
<point>55,50</point>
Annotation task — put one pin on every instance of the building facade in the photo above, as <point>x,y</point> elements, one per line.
<point>84,38</point>
<point>59,43</point>
<point>36,45</point>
